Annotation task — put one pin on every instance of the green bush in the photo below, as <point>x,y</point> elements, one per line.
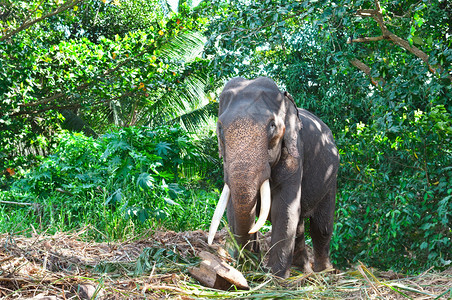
<point>125,181</point>
<point>395,193</point>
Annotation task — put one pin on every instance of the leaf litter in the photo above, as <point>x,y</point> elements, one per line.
<point>155,266</point>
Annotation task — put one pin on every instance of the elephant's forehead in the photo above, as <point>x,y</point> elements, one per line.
<point>259,102</point>
<point>243,132</point>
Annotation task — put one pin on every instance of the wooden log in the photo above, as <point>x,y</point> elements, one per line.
<point>215,273</point>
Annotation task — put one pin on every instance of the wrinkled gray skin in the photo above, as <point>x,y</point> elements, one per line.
<point>262,135</point>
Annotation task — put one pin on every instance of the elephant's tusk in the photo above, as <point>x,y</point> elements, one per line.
<point>219,210</point>
<point>265,207</point>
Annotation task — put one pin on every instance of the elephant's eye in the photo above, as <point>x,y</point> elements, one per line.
<point>272,127</point>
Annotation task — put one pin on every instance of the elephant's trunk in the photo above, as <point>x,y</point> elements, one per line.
<point>243,221</point>
<point>243,204</point>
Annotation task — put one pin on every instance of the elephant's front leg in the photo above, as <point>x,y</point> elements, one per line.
<point>285,214</point>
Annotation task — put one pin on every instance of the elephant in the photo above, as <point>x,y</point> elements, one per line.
<point>282,162</point>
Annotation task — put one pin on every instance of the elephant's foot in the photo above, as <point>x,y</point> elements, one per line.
<point>321,264</point>
<point>304,265</point>
<point>279,271</point>
<point>302,261</point>
<point>280,266</point>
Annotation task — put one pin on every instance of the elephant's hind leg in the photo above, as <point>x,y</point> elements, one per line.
<point>322,230</point>
<point>300,255</point>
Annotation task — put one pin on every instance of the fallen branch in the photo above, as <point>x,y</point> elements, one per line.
<point>19,203</point>
<point>18,279</point>
<point>215,273</point>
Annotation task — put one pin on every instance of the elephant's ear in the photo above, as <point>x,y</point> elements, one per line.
<point>220,143</point>
<point>293,126</point>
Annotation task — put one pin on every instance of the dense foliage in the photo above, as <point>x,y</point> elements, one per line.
<point>377,72</point>
<point>125,181</point>
<point>90,64</point>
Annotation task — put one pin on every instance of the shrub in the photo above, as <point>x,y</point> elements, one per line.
<point>395,193</point>
<point>125,180</point>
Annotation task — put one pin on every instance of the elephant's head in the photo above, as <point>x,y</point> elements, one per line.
<point>256,120</point>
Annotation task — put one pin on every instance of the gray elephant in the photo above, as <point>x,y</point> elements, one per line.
<point>281,161</point>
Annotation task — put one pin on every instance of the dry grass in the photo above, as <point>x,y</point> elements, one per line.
<point>63,266</point>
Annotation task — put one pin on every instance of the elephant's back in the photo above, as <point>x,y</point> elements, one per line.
<point>309,120</point>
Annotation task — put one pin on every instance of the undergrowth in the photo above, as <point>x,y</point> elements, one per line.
<point>395,192</point>
<point>127,181</point>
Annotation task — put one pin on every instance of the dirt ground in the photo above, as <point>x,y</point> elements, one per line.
<point>64,266</point>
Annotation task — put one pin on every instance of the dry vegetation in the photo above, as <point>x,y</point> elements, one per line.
<point>65,266</point>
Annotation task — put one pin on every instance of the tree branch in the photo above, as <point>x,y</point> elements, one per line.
<point>53,97</point>
<point>366,39</point>
<point>413,49</point>
<point>377,15</point>
<point>366,12</point>
<point>27,23</point>
<point>366,69</point>
<point>377,5</point>
<point>72,105</point>
<point>37,111</point>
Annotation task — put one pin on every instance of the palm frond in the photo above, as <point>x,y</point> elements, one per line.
<point>187,104</point>
<point>194,87</point>
<point>186,46</point>
<point>192,119</point>
<point>206,158</point>
<point>163,105</point>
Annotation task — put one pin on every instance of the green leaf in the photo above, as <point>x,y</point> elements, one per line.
<point>145,181</point>
<point>142,215</point>
<point>163,148</point>
<point>171,202</point>
<point>115,198</point>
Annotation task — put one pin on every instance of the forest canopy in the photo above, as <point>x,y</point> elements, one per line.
<point>108,113</point>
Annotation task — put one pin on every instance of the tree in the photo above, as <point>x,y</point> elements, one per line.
<point>88,59</point>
